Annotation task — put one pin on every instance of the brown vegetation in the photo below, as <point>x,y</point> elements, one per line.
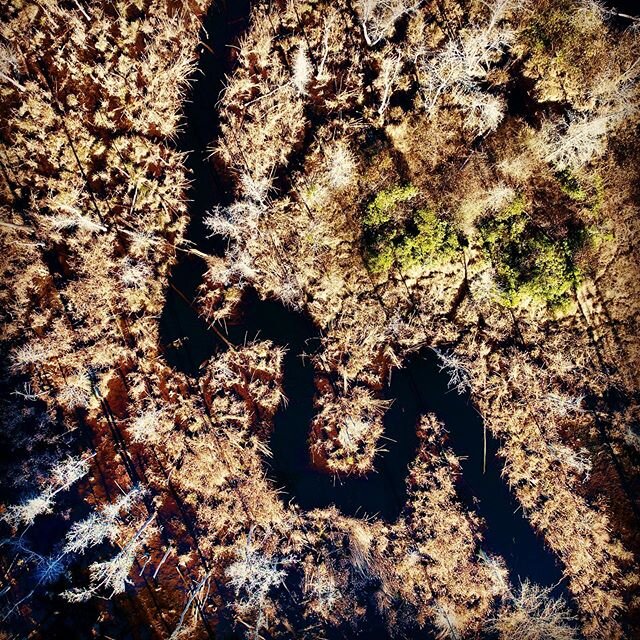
<point>459,175</point>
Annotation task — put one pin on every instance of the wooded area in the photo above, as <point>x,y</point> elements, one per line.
<point>398,178</point>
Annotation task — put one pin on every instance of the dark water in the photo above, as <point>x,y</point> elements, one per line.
<point>417,388</point>
<point>627,7</point>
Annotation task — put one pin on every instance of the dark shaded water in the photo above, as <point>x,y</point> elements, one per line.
<point>416,389</point>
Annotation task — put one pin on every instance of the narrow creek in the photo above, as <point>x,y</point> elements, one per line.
<point>417,388</point>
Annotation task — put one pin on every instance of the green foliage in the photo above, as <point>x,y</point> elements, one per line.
<point>530,263</point>
<point>379,211</point>
<point>310,192</point>
<point>592,194</point>
<point>380,256</point>
<point>435,241</point>
<point>421,238</point>
<point>571,186</point>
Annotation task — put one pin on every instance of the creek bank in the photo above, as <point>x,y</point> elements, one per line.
<point>418,388</point>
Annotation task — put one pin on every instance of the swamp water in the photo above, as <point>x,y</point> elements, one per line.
<point>418,388</point>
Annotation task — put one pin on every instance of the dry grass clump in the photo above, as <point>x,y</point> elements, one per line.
<point>93,198</point>
<point>253,374</point>
<point>445,544</point>
<point>534,615</point>
<point>507,146</point>
<point>345,434</point>
<point>538,464</point>
<point>84,148</point>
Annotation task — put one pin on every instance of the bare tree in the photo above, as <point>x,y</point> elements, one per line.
<point>9,66</point>
<point>341,163</point>
<point>577,460</point>
<point>197,594</point>
<point>378,17</point>
<point>484,111</point>
<point>135,274</point>
<point>447,622</point>
<point>100,525</point>
<point>575,139</point>
<point>30,354</point>
<point>329,27</point>
<point>151,425</point>
<point>459,374</point>
<point>391,68</point>
<point>75,220</point>
<point>105,524</point>
<point>572,141</point>
<point>302,71</point>
<point>632,438</point>
<point>64,474</point>
<point>113,575</point>
<point>562,406</point>
<point>462,64</point>
<point>497,571</point>
<point>320,585</point>
<point>76,391</point>
<point>253,575</point>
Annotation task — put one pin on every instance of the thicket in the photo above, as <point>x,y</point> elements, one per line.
<point>407,239</point>
<point>530,262</point>
<point>169,497</point>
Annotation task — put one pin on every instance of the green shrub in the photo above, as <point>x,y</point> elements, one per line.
<point>379,211</point>
<point>420,238</point>
<point>528,262</point>
<point>435,241</point>
<point>379,257</point>
<point>591,193</point>
<point>571,186</point>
